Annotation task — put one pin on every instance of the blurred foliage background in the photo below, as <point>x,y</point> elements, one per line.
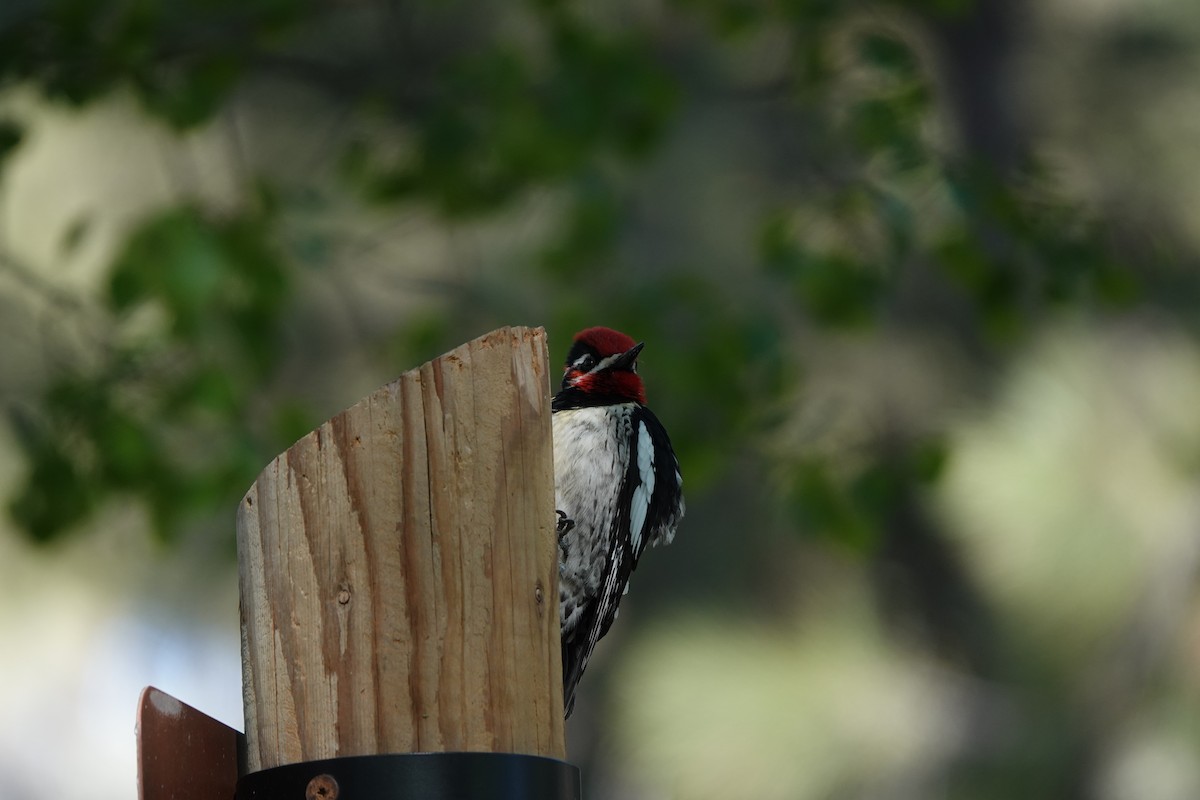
<point>918,281</point>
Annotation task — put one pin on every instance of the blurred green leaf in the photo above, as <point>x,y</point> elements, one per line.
<point>212,389</point>
<point>53,497</point>
<point>175,260</point>
<point>930,459</point>
<point>190,96</point>
<point>291,422</point>
<point>500,124</point>
<point>104,430</point>
<point>589,232</point>
<point>128,455</point>
<point>888,52</point>
<point>835,289</point>
<point>823,507</point>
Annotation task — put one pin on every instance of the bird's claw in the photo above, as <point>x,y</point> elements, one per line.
<point>565,524</point>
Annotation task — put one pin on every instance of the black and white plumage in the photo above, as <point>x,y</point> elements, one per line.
<point>617,483</point>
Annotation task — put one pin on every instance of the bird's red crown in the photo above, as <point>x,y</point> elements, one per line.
<point>618,378</point>
<point>605,341</point>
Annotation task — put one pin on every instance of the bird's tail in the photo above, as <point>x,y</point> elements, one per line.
<point>573,661</point>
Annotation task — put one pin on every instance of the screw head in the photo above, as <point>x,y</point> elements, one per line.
<point>322,787</point>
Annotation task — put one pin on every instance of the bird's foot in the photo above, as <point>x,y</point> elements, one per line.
<point>565,524</point>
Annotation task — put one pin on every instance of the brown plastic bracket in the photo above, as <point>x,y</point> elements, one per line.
<point>184,754</point>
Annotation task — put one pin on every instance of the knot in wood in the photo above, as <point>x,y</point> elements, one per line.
<point>322,787</point>
<point>343,595</point>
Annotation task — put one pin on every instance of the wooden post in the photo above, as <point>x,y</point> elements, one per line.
<point>398,568</point>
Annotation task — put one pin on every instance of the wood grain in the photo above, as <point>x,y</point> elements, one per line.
<point>398,569</point>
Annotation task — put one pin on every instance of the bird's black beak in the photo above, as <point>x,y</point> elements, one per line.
<point>628,358</point>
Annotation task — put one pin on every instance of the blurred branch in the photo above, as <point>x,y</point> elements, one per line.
<point>922,582</point>
<point>45,289</point>
<point>976,44</point>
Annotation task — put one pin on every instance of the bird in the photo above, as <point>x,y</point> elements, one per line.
<point>617,488</point>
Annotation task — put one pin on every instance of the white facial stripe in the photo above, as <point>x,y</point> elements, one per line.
<point>645,489</point>
<point>607,362</point>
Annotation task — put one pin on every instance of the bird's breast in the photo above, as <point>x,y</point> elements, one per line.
<point>590,453</point>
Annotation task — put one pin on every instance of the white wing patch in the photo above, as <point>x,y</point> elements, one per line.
<point>640,503</point>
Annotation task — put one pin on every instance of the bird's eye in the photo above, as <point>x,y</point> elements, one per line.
<point>585,363</point>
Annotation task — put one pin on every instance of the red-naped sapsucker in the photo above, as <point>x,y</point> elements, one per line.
<point>617,488</point>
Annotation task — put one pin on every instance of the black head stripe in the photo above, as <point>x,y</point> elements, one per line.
<point>578,351</point>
